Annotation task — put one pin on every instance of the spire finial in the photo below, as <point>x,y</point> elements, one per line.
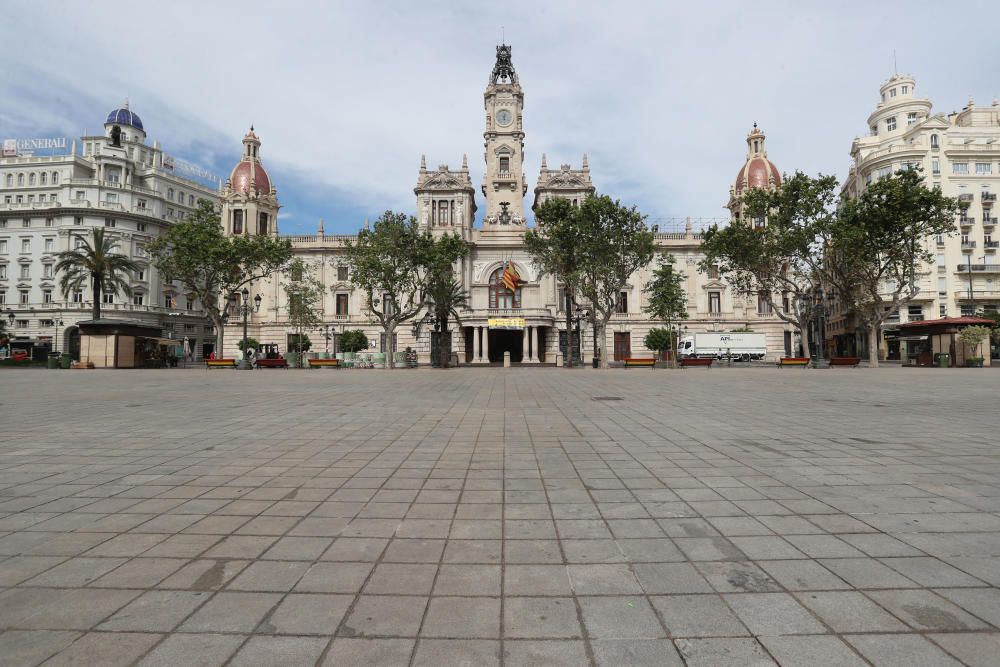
<point>126,103</point>
<point>544,163</point>
<point>367,227</point>
<point>251,126</point>
<point>320,230</point>
<point>423,162</point>
<point>465,162</point>
<point>586,164</point>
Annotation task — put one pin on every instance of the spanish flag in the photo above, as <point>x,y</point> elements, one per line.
<point>511,279</point>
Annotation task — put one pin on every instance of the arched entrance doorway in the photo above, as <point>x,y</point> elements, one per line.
<point>506,303</point>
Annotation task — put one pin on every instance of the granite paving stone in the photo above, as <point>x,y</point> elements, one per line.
<point>481,515</point>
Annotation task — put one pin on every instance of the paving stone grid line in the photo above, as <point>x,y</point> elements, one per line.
<point>500,517</point>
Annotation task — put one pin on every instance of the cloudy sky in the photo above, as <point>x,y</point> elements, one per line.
<point>347,96</point>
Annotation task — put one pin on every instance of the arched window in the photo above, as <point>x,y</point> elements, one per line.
<point>55,177</point>
<point>934,141</point>
<point>20,179</point>
<point>262,225</point>
<point>500,296</point>
<point>45,178</point>
<point>10,180</point>
<point>31,178</point>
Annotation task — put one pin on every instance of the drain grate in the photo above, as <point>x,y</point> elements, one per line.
<point>608,398</point>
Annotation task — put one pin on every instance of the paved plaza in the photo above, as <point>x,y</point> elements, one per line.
<point>500,517</point>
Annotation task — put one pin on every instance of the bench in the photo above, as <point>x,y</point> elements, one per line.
<point>324,363</point>
<point>220,363</point>
<point>845,361</point>
<point>640,361</point>
<point>697,361</point>
<point>272,363</point>
<point>794,361</point>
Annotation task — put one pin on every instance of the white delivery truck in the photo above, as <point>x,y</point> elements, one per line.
<point>740,346</point>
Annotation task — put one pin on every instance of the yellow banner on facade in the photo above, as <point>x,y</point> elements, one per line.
<point>506,322</point>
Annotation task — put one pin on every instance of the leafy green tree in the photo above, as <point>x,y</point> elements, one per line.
<point>995,327</point>
<point>972,337</point>
<point>660,340</point>
<point>353,341</point>
<point>555,248</point>
<point>392,264</point>
<point>615,243</point>
<point>876,247</point>
<point>96,259</point>
<point>300,342</point>
<point>776,250</point>
<point>249,343</point>
<point>211,266</point>
<point>304,295</point>
<point>444,299</point>
<point>665,298</point>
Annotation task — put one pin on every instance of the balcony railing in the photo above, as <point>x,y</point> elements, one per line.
<point>967,222</point>
<point>988,198</point>
<point>968,245</point>
<point>989,221</point>
<point>965,200</point>
<point>978,268</point>
<point>991,245</point>
<point>915,318</point>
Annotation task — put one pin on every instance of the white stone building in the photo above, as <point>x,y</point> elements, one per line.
<point>116,181</point>
<point>958,152</point>
<point>445,202</point>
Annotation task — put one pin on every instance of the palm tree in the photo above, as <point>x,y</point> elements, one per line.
<point>444,298</point>
<point>96,258</point>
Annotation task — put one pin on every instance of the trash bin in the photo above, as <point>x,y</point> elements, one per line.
<point>53,361</point>
<point>942,360</point>
<point>66,360</point>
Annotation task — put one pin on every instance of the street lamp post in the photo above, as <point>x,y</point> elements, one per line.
<point>245,309</point>
<point>578,316</point>
<point>327,335</point>
<point>55,334</point>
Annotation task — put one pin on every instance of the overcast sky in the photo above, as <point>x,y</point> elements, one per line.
<point>346,96</point>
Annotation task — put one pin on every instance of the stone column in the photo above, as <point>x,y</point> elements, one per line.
<point>534,346</point>
<point>524,345</point>
<point>477,355</point>
<point>486,345</point>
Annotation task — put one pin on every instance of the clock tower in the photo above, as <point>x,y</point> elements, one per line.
<point>503,185</point>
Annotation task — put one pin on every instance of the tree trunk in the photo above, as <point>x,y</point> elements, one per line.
<point>804,337</point>
<point>220,334</point>
<point>873,345</point>
<point>97,284</point>
<point>390,347</point>
<point>603,328</point>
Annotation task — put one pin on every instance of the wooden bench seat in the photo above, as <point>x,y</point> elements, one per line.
<point>794,361</point>
<point>324,363</point>
<point>697,361</point>
<point>220,363</point>
<point>272,363</point>
<point>640,361</point>
<point>845,361</point>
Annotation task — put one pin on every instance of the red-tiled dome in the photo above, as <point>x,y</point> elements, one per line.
<point>757,172</point>
<point>247,170</point>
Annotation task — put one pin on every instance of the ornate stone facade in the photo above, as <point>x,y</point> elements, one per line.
<point>528,323</point>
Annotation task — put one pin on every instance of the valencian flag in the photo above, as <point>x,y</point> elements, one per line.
<point>511,278</point>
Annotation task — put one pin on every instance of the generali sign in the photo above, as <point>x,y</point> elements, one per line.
<point>15,147</point>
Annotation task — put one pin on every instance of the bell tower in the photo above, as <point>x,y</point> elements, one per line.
<point>249,200</point>
<point>504,185</point>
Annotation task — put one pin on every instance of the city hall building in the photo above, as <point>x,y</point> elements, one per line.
<point>528,322</point>
<point>118,181</point>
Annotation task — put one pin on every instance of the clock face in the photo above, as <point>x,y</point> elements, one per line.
<point>504,117</point>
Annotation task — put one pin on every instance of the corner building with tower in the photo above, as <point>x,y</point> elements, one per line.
<point>528,322</point>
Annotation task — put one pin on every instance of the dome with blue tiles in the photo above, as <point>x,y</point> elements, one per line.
<point>124,116</point>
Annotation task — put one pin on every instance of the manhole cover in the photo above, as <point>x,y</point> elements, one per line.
<point>608,398</point>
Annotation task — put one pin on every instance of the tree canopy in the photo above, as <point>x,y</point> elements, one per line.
<point>392,264</point>
<point>210,265</point>
<point>877,246</point>
<point>555,247</point>
<point>615,243</point>
<point>95,258</point>
<point>775,251</point>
